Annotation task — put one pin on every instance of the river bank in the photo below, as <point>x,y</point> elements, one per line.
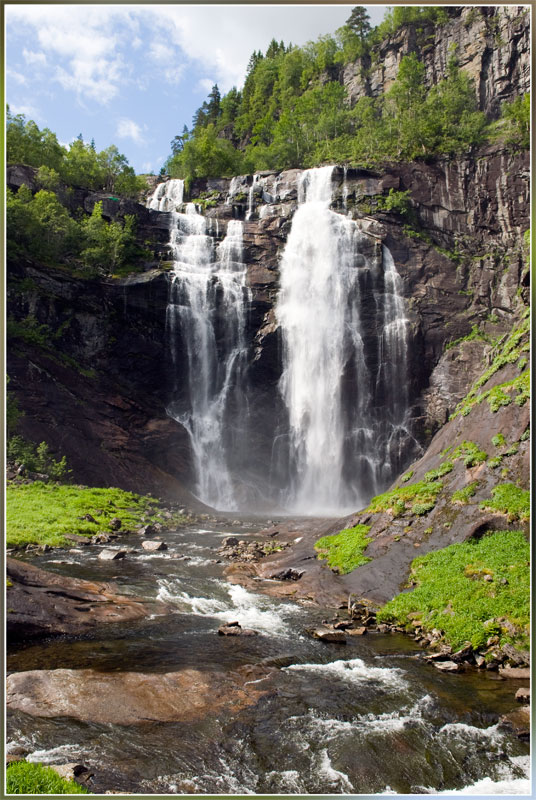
<point>295,714</point>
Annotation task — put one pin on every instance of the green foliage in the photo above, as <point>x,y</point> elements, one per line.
<point>292,112</point>
<point>78,165</point>
<point>443,469</point>
<point>507,351</point>
<point>344,550</point>
<point>36,458</point>
<point>396,501</point>
<point>450,599</point>
<point>475,335</point>
<point>470,453</point>
<point>405,478</point>
<point>398,202</point>
<point>509,499</point>
<point>40,226</point>
<point>498,440</point>
<point>463,496</point>
<point>23,777</point>
<point>106,243</point>
<point>41,513</point>
<point>514,125</point>
<point>13,412</point>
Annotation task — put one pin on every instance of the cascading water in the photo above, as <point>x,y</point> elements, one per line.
<point>206,313</point>
<point>167,196</point>
<point>335,302</point>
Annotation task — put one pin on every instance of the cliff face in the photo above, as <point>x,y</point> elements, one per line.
<point>98,389</point>
<point>491,43</point>
<point>95,384</point>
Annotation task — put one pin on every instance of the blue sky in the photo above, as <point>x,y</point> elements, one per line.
<point>133,75</point>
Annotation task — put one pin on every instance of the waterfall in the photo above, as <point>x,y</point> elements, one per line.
<point>206,316</point>
<point>167,196</point>
<point>336,297</point>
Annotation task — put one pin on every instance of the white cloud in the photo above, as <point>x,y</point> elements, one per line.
<point>205,84</point>
<point>34,58</point>
<point>29,111</point>
<point>12,74</point>
<point>128,129</point>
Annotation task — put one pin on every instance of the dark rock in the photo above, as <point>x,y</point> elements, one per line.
<point>235,629</point>
<point>465,654</point>
<point>289,574</point>
<point>518,721</point>
<point>42,603</point>
<point>115,523</point>
<point>147,530</point>
<point>517,657</point>
<point>328,635</point>
<point>73,537</point>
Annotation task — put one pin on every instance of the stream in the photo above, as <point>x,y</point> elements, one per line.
<point>368,717</point>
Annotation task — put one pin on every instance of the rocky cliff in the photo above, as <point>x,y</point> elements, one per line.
<point>491,43</point>
<point>97,384</point>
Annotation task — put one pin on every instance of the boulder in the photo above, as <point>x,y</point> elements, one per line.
<point>357,631</point>
<point>112,555</point>
<point>289,574</point>
<point>329,635</point>
<point>131,698</point>
<point>235,629</point>
<point>147,530</point>
<point>115,523</point>
<point>523,695</point>
<point>230,541</point>
<point>42,603</point>
<point>448,666</point>
<point>518,721</point>
<point>152,545</point>
<point>518,673</point>
<point>69,772</point>
<point>74,537</point>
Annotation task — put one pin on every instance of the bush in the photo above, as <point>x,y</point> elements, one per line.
<point>509,499</point>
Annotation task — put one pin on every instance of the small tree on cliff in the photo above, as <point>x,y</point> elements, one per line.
<point>359,22</point>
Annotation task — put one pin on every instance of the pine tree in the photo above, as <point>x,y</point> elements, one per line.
<point>359,22</point>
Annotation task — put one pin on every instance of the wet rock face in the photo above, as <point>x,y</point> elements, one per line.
<point>98,391</point>
<point>41,603</point>
<point>131,698</point>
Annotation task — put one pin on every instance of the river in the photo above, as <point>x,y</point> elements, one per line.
<point>368,717</point>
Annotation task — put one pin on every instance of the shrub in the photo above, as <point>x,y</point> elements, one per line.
<point>509,499</point>
<point>23,777</point>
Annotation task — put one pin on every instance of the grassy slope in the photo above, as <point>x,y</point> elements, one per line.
<point>41,513</point>
<point>464,589</point>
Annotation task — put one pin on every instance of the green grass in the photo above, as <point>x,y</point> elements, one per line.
<point>41,513</point>
<point>398,500</point>
<point>452,595</point>
<point>443,469</point>
<point>507,351</point>
<point>464,495</point>
<point>470,453</point>
<point>344,550</point>
<point>23,777</point>
<point>509,499</point>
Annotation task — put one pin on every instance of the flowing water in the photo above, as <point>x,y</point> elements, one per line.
<point>205,319</point>
<point>366,717</point>
<point>343,433</point>
<point>345,357</point>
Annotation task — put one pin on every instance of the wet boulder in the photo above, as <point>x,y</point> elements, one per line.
<point>111,555</point>
<point>152,546</point>
<point>235,629</point>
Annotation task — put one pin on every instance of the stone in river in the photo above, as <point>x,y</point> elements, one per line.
<point>518,721</point>
<point>129,698</point>
<point>235,629</point>
<point>448,666</point>
<point>111,555</point>
<point>328,635</point>
<point>523,695</point>
<point>518,673</point>
<point>115,523</point>
<point>153,545</point>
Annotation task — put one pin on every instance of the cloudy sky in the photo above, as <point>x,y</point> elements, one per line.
<point>133,75</point>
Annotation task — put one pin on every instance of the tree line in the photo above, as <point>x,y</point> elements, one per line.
<point>293,110</point>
